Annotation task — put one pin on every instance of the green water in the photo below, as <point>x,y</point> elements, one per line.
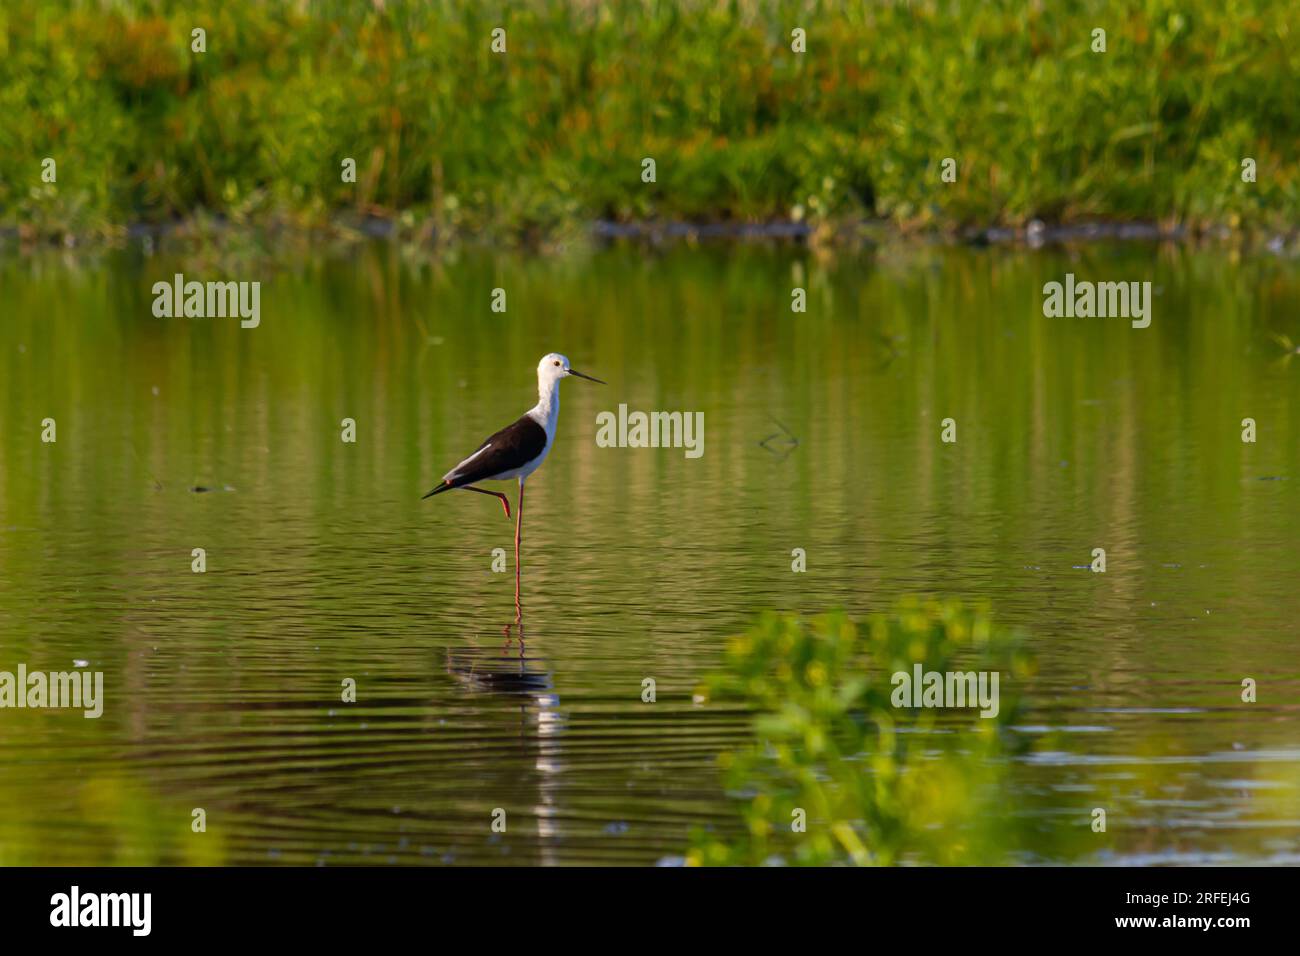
<point>222,690</point>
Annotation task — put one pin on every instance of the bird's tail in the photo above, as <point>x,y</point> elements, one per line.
<point>437,491</point>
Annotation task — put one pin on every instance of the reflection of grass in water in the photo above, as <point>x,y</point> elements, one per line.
<point>112,822</point>
<point>1160,807</point>
<point>879,784</point>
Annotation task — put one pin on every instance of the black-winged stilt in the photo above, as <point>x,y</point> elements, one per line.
<point>517,450</point>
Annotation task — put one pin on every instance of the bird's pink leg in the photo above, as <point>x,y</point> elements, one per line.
<point>519,534</point>
<point>505,502</point>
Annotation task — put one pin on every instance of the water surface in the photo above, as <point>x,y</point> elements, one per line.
<point>223,689</point>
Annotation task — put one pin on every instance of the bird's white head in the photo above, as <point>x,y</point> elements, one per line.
<point>554,367</point>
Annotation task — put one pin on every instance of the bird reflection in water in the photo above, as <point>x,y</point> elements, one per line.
<point>500,673</point>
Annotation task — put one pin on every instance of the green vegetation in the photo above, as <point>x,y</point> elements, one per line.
<point>113,820</point>
<point>451,139</point>
<point>878,784</point>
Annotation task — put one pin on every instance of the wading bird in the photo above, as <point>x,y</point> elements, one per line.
<point>517,450</point>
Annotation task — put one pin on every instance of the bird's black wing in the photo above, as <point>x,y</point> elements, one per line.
<point>512,447</point>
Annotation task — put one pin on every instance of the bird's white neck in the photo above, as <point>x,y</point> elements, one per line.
<point>547,409</point>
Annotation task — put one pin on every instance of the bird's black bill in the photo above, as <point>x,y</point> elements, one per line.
<point>587,377</point>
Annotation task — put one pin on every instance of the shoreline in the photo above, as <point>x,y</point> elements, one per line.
<point>826,235</point>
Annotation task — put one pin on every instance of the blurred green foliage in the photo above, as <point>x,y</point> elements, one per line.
<point>876,783</point>
<point>102,820</point>
<point>452,138</point>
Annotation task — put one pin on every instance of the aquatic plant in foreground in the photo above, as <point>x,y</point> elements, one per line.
<point>842,768</point>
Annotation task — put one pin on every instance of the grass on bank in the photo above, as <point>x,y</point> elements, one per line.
<point>452,139</point>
